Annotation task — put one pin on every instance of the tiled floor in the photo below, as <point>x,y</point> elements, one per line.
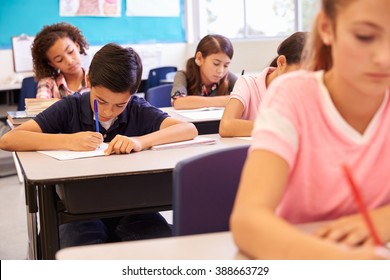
<point>13,224</point>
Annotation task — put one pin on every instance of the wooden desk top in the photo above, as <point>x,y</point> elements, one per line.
<point>42,169</point>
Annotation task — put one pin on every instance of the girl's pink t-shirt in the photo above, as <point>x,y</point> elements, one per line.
<point>250,91</point>
<point>299,122</point>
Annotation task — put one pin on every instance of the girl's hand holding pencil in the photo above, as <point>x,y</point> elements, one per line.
<point>356,230</point>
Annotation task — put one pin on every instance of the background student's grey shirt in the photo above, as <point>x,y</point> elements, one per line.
<point>180,84</point>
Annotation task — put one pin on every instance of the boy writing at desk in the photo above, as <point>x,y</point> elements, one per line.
<point>127,122</point>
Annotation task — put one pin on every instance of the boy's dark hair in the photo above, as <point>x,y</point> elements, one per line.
<point>291,48</point>
<point>116,68</point>
<point>45,39</point>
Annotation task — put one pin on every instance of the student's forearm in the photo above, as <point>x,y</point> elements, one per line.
<point>21,140</point>
<point>273,238</point>
<point>174,133</point>
<point>255,227</point>
<point>194,102</point>
<point>235,128</point>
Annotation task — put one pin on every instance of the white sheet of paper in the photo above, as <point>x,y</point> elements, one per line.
<point>202,115</point>
<point>67,155</point>
<point>179,111</point>
<point>197,140</point>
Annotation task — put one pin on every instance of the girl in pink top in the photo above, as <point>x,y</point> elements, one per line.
<point>248,92</point>
<point>56,53</point>
<point>310,124</point>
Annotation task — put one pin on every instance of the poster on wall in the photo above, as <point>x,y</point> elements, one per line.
<point>153,8</point>
<point>92,8</point>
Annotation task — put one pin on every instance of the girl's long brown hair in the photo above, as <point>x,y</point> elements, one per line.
<point>210,44</point>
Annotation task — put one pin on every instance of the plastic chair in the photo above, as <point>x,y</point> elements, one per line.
<point>159,96</point>
<point>158,74</point>
<point>204,189</point>
<point>28,90</point>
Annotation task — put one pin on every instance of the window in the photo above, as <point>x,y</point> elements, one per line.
<point>250,19</point>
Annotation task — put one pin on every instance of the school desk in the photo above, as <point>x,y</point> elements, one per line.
<point>206,120</point>
<point>9,90</point>
<point>6,87</point>
<point>104,186</point>
<point>207,246</point>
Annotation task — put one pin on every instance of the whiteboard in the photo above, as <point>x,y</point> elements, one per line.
<point>21,51</point>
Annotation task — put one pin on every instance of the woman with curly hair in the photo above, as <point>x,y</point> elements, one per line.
<point>56,53</point>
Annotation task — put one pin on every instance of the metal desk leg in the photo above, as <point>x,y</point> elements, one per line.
<point>18,169</point>
<point>31,209</point>
<point>32,235</point>
<point>48,221</point>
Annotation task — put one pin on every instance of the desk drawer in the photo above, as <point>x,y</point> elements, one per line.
<point>117,193</point>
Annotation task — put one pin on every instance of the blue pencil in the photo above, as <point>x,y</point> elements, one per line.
<point>95,103</point>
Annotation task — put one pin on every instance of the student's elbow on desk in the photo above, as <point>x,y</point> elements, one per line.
<point>190,130</point>
<point>183,129</point>
<point>5,143</point>
<point>224,128</point>
<point>236,225</point>
<point>11,142</point>
<point>230,127</point>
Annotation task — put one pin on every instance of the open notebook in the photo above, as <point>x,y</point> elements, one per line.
<point>206,113</point>
<point>67,155</point>
<point>196,141</point>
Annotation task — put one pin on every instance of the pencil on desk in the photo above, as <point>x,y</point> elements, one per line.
<point>362,206</point>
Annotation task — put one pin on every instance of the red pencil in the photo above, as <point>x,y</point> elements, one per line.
<point>362,206</point>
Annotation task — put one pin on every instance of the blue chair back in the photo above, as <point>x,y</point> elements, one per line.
<point>159,96</point>
<point>28,90</point>
<point>156,75</point>
<point>204,189</point>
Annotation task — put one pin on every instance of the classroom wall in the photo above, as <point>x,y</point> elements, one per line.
<point>28,17</point>
<point>252,56</point>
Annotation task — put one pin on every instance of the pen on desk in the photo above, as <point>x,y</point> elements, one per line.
<point>95,106</point>
<point>242,72</point>
<point>362,206</point>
